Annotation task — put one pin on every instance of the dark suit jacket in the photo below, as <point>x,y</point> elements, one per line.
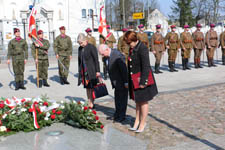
<point>91,60</point>
<point>117,70</point>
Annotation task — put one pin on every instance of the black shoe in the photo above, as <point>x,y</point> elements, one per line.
<point>65,81</point>
<point>173,66</point>
<point>40,83</point>
<point>22,85</point>
<point>119,119</point>
<point>61,81</point>
<point>183,64</point>
<point>45,83</point>
<point>186,64</point>
<point>212,62</point>
<point>17,86</point>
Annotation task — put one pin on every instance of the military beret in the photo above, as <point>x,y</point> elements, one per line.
<point>173,26</point>
<point>108,27</point>
<point>198,25</point>
<point>158,26</point>
<point>212,25</point>
<point>124,29</point>
<point>88,30</point>
<point>141,26</point>
<point>40,32</point>
<point>62,28</point>
<point>16,30</point>
<point>186,26</point>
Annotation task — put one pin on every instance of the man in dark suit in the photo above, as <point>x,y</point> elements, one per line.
<point>119,79</point>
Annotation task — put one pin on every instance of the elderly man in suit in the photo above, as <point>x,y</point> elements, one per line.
<point>119,79</point>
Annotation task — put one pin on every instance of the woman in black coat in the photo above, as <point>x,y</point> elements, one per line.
<point>88,65</point>
<point>142,85</point>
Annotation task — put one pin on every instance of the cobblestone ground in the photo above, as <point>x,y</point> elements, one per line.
<point>183,116</point>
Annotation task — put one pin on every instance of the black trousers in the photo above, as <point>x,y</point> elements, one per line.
<point>105,61</point>
<point>121,98</point>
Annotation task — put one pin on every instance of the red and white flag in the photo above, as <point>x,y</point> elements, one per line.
<point>102,27</point>
<point>32,27</point>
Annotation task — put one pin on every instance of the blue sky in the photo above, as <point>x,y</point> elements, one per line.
<point>165,6</point>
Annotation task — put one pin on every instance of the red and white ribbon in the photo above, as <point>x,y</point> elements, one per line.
<point>35,116</point>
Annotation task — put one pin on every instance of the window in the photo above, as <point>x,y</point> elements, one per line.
<point>84,15</point>
<point>90,13</point>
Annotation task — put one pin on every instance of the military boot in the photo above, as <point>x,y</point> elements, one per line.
<point>186,64</point>
<point>173,66</point>
<point>209,62</point>
<point>45,83</point>
<point>199,63</point>
<point>223,59</point>
<point>65,80</point>
<point>61,81</point>
<point>22,85</point>
<point>196,63</point>
<point>156,68</point>
<point>212,62</point>
<point>170,66</point>
<point>40,83</point>
<point>183,64</point>
<point>17,86</point>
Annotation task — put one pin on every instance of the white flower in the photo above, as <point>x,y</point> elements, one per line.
<point>46,118</point>
<point>3,129</point>
<point>62,107</point>
<point>47,114</point>
<point>4,116</point>
<point>43,108</point>
<point>62,102</point>
<point>23,109</point>
<point>13,112</point>
<point>82,102</point>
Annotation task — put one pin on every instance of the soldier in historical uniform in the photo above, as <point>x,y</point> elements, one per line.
<point>222,43</point>
<point>42,59</point>
<point>63,51</point>
<point>90,38</point>
<point>199,41</point>
<point>122,46</point>
<point>18,51</point>
<point>187,44</point>
<point>211,40</point>
<point>173,45</point>
<point>142,36</point>
<point>108,40</point>
<point>157,47</point>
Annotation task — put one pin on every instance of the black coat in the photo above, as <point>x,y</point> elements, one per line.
<point>90,56</point>
<point>139,62</point>
<point>117,70</point>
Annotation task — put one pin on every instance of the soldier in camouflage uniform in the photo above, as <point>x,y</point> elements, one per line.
<point>63,51</point>
<point>122,46</point>
<point>42,59</point>
<point>222,43</point>
<point>173,45</point>
<point>199,41</point>
<point>18,51</point>
<point>90,38</point>
<point>187,44</point>
<point>211,40</point>
<point>157,47</point>
<point>109,40</point>
<point>142,36</point>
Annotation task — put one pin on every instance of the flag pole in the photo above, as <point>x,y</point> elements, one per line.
<point>37,67</point>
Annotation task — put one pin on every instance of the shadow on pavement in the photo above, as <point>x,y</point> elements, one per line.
<point>32,79</point>
<point>12,84</point>
<point>191,136</point>
<point>53,68</point>
<point>55,78</point>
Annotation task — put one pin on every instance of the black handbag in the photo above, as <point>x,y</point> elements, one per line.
<point>99,90</point>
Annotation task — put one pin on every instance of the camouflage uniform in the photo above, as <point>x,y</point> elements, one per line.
<point>143,37</point>
<point>123,47</point>
<point>109,40</point>
<point>222,43</point>
<point>173,42</point>
<point>18,51</point>
<point>63,48</point>
<point>187,44</point>
<point>211,40</point>
<point>157,45</point>
<point>43,62</point>
<point>91,40</point>
<point>199,40</point>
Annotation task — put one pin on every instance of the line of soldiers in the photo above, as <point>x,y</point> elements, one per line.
<point>18,52</point>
